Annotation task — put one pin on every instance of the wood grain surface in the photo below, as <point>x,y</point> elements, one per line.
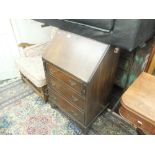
<point>140,97</point>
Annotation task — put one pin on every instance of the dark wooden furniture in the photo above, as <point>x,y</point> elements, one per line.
<point>138,103</point>
<point>80,73</point>
<point>132,64</point>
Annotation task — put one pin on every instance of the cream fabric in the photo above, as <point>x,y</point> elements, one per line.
<point>35,50</point>
<point>32,68</point>
<point>31,65</point>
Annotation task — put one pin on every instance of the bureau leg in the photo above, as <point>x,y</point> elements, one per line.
<point>22,77</point>
<point>53,106</point>
<point>139,131</point>
<point>85,130</point>
<point>45,97</point>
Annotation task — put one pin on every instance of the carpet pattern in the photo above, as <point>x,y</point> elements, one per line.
<point>22,112</point>
<point>16,90</point>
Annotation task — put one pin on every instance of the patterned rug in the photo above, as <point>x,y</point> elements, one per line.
<point>24,112</point>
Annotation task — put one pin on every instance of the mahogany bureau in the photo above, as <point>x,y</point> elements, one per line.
<point>80,73</point>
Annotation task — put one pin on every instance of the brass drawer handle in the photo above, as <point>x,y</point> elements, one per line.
<point>73,113</point>
<point>54,98</point>
<point>53,84</point>
<point>72,83</point>
<point>51,72</point>
<point>83,92</point>
<point>74,99</point>
<point>139,123</point>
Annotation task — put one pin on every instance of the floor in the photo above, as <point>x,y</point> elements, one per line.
<point>23,112</point>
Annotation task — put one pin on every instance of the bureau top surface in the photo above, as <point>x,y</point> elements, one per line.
<point>75,54</point>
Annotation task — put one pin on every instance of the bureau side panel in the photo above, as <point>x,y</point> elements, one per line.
<point>100,85</point>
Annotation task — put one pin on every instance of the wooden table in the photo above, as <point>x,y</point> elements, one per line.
<point>138,103</point>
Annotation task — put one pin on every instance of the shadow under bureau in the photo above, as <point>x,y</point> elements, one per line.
<point>80,73</point>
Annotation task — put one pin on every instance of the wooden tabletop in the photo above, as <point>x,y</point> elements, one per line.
<point>140,97</point>
<point>75,54</point>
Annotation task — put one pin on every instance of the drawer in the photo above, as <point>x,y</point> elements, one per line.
<point>68,93</point>
<point>137,121</point>
<point>63,104</point>
<point>73,82</point>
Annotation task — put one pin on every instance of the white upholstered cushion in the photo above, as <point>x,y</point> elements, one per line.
<point>32,68</point>
<point>35,50</point>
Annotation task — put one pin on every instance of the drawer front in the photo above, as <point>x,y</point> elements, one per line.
<point>137,120</point>
<point>70,80</point>
<point>69,94</point>
<point>66,106</point>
